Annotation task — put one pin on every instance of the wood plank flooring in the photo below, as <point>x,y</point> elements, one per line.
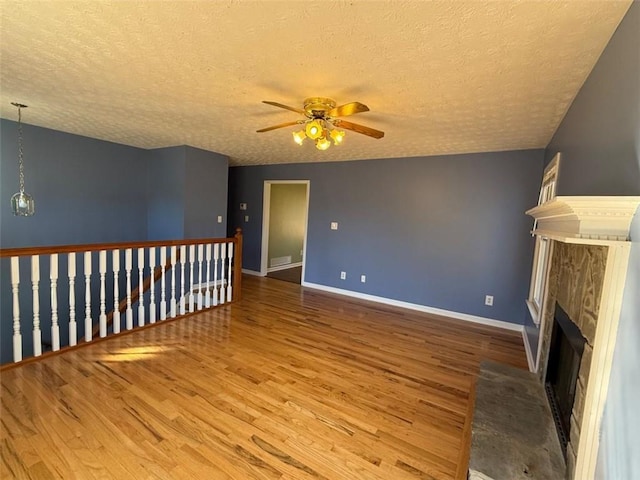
<point>290,383</point>
<point>293,275</point>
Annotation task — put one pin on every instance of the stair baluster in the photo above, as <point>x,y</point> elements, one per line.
<point>73,326</point>
<point>53,278</point>
<point>163,295</point>
<point>116,294</point>
<point>200,252</point>
<point>140,287</point>
<point>183,259</point>
<point>15,285</point>
<point>128,260</point>
<point>223,258</point>
<point>192,258</point>
<point>103,306</point>
<point>152,290</point>
<point>87,297</point>
<point>207,295</point>
<point>216,254</point>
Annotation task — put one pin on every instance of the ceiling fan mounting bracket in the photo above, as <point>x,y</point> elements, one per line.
<point>317,107</point>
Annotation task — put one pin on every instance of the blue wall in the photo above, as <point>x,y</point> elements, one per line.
<point>435,231</point>
<point>91,191</point>
<point>600,143</point>
<point>165,186</point>
<point>188,189</point>
<point>86,190</point>
<point>205,196</point>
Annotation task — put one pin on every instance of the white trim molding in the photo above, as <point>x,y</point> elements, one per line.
<point>420,308</point>
<point>533,364</point>
<point>253,272</point>
<point>266,213</point>
<point>601,360</point>
<point>602,221</point>
<point>585,219</point>
<point>543,251</point>
<point>286,266</point>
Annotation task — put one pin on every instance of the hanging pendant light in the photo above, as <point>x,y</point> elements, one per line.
<point>22,204</point>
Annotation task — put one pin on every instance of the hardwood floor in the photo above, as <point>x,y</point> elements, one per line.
<point>293,275</point>
<point>290,383</point>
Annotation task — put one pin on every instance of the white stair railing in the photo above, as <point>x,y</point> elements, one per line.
<point>57,314</point>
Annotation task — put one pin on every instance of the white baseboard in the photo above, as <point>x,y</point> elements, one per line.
<point>252,272</point>
<point>527,348</point>
<point>284,267</point>
<point>420,308</point>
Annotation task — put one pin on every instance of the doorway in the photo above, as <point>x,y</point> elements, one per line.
<point>284,229</point>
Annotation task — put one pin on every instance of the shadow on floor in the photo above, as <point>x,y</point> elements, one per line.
<point>293,275</point>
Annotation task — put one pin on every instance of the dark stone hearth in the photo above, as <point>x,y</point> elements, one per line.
<point>513,434</point>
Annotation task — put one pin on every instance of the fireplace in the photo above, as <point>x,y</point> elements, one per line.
<point>588,269</point>
<point>565,355</point>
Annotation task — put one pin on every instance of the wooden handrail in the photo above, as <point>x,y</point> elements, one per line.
<point>93,247</point>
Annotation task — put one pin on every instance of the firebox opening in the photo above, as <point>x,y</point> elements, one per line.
<point>565,354</point>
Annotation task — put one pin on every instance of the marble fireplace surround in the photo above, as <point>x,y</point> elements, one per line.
<point>586,276</point>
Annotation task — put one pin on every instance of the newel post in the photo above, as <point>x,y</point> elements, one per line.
<point>237,266</point>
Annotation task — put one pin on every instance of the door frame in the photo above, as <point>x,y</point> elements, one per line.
<point>266,214</point>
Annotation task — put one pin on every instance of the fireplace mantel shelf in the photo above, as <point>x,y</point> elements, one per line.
<point>585,219</point>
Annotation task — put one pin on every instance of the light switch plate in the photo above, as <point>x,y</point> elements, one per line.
<point>219,218</point>
<point>243,206</point>
<point>334,225</point>
<point>246,218</point>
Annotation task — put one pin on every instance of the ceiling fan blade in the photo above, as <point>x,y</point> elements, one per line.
<point>371,132</point>
<point>282,125</point>
<point>348,109</point>
<point>286,107</point>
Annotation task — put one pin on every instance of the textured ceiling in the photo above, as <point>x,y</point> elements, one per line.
<point>440,77</point>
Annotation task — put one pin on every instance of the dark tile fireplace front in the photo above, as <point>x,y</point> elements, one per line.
<point>565,353</point>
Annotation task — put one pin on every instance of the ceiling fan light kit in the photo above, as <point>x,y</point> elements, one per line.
<point>337,136</point>
<point>321,122</point>
<point>314,129</point>
<point>299,137</point>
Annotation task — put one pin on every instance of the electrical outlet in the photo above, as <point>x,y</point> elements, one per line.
<point>334,225</point>
<point>363,278</point>
<point>219,218</point>
<point>488,300</point>
<point>246,218</point>
<point>343,275</point>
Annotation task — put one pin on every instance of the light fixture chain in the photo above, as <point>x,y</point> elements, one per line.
<point>20,151</point>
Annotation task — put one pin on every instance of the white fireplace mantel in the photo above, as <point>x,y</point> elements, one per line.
<point>589,220</point>
<point>602,221</point>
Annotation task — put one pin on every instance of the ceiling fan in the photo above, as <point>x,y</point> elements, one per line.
<point>321,122</point>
